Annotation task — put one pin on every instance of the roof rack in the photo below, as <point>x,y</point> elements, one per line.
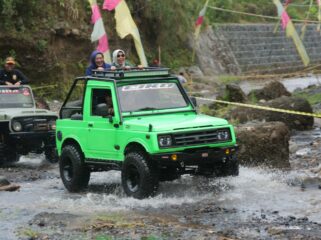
<point>132,73</point>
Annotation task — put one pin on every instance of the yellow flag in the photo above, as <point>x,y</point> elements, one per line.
<point>125,25</point>
<point>291,32</point>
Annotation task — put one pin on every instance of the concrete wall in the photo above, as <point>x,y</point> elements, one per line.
<point>255,48</point>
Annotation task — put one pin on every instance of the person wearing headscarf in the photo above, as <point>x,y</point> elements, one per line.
<point>97,63</point>
<point>10,75</point>
<point>119,60</point>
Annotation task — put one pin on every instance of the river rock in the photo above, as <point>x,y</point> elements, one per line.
<point>5,185</point>
<point>271,91</point>
<point>290,103</point>
<point>263,144</point>
<point>4,181</point>
<point>233,93</point>
<point>195,72</point>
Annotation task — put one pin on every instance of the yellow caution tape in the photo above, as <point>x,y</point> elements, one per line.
<point>262,107</point>
<point>43,87</point>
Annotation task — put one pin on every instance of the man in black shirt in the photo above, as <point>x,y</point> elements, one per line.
<point>11,76</point>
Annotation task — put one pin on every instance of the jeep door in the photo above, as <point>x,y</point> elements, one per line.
<point>100,126</point>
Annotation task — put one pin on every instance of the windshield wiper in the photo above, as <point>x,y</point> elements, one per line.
<point>146,108</point>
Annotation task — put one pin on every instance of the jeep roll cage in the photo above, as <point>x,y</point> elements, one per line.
<point>134,75</point>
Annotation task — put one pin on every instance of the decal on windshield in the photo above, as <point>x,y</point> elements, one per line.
<point>147,86</point>
<point>24,91</point>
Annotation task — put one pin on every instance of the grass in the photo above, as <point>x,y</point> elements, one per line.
<point>226,79</point>
<point>311,98</point>
<point>31,234</point>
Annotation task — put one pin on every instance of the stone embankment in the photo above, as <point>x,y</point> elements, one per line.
<point>254,48</point>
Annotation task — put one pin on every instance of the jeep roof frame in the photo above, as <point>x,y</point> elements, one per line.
<point>125,76</point>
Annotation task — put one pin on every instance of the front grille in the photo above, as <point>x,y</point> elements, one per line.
<point>37,124</point>
<point>199,137</point>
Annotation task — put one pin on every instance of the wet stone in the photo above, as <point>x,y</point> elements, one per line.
<point>4,181</point>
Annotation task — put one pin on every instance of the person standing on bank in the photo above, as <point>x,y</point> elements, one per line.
<point>97,62</point>
<point>10,75</point>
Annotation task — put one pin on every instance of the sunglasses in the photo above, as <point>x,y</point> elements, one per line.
<point>121,55</point>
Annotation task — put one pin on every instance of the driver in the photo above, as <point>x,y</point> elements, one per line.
<point>109,103</point>
<point>10,75</point>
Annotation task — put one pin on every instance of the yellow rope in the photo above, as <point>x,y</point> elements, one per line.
<point>258,15</point>
<point>43,87</point>
<point>262,107</point>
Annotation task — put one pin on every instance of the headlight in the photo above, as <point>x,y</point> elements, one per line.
<point>223,135</point>
<point>16,126</point>
<point>52,125</point>
<point>165,141</point>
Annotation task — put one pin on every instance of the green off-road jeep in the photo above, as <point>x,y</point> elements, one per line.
<point>23,128</point>
<point>149,129</point>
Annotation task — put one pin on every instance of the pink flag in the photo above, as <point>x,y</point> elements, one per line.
<point>201,15</point>
<point>99,33</point>
<point>110,4</point>
<point>285,19</point>
<point>95,13</point>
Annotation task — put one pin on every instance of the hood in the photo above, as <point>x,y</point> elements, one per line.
<point>168,123</point>
<point>9,113</point>
<point>115,53</point>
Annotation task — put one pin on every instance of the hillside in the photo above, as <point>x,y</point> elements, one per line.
<point>50,39</point>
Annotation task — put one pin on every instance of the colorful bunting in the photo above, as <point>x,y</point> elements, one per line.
<point>319,14</point>
<point>291,32</point>
<point>125,25</point>
<point>99,33</point>
<point>200,20</point>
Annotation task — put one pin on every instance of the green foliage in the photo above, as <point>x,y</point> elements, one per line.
<point>311,98</point>
<point>41,45</point>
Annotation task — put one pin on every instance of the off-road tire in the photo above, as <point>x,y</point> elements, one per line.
<point>74,174</point>
<point>2,154</point>
<point>139,176</point>
<point>51,154</point>
<point>7,155</point>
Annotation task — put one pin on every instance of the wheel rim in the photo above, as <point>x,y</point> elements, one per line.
<point>67,171</point>
<point>133,179</point>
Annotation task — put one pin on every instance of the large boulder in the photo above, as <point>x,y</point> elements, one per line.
<point>264,144</point>
<point>293,121</point>
<point>272,90</point>
<point>232,93</point>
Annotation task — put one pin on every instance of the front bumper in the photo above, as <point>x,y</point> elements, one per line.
<point>48,137</point>
<point>196,156</point>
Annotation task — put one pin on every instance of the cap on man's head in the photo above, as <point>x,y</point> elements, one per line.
<point>10,60</point>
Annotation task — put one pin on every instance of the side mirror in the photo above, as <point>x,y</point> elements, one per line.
<point>193,100</point>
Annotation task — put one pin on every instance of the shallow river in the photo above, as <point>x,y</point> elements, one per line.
<point>253,190</point>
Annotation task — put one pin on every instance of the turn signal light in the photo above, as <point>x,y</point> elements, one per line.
<point>227,151</point>
<point>174,157</point>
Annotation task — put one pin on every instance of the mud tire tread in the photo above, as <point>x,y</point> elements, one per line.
<point>148,171</point>
<point>81,174</point>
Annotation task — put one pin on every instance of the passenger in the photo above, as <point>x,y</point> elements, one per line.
<point>155,63</point>
<point>119,61</point>
<point>11,76</point>
<point>97,63</point>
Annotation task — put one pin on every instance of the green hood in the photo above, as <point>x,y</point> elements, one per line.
<point>172,122</point>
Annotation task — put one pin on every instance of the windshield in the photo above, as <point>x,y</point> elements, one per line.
<point>150,96</point>
<point>15,97</point>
